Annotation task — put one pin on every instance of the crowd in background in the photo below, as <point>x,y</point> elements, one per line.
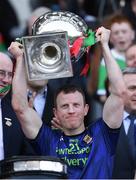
<point>14,14</point>
<point>17,17</point>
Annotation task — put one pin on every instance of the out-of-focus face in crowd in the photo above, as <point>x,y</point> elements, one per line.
<point>130,81</point>
<point>131,56</point>
<point>133,5</point>
<point>6,72</point>
<point>122,36</point>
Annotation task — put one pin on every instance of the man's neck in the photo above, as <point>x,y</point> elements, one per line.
<point>130,111</point>
<point>71,132</point>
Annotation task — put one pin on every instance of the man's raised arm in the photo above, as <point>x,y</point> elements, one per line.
<point>114,106</point>
<point>28,118</point>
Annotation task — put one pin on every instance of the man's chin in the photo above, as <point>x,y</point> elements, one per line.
<point>72,126</point>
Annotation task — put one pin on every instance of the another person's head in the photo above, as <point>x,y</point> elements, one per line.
<point>131,56</point>
<point>122,32</point>
<point>6,72</point>
<point>36,85</point>
<point>35,15</point>
<point>70,109</point>
<point>133,6</point>
<point>129,75</point>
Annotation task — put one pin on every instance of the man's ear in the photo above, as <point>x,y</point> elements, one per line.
<point>86,109</point>
<point>133,35</point>
<point>54,112</point>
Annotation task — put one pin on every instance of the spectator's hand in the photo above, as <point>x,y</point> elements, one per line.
<point>31,100</point>
<point>56,124</point>
<point>102,98</point>
<point>103,35</point>
<point>16,49</point>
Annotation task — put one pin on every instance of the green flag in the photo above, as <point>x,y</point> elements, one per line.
<point>90,39</point>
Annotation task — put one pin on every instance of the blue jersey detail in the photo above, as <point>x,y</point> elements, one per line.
<point>88,155</point>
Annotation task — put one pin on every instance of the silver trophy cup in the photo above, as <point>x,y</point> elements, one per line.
<point>47,51</point>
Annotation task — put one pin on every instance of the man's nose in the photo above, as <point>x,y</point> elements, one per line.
<point>71,109</point>
<point>134,92</point>
<point>120,34</point>
<point>6,79</point>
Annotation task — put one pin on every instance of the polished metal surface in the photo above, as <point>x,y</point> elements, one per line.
<point>47,56</point>
<point>47,51</point>
<point>60,21</point>
<point>42,165</point>
<point>33,167</point>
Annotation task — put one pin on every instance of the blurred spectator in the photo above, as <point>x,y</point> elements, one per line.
<point>8,20</point>
<point>122,35</point>
<point>57,5</point>
<point>34,16</point>
<point>12,139</point>
<point>37,3</point>
<point>124,165</point>
<point>131,56</point>
<point>2,44</point>
<point>13,15</point>
<point>129,10</point>
<point>125,162</point>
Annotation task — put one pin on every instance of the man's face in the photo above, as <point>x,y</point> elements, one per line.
<point>6,67</point>
<point>131,56</point>
<point>121,36</point>
<point>71,111</point>
<point>130,81</point>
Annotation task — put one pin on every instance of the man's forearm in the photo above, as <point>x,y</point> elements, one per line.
<point>113,70</point>
<point>19,98</point>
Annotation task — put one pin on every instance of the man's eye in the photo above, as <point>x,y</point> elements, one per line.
<point>10,74</point>
<point>64,106</point>
<point>132,88</point>
<point>76,105</point>
<point>2,73</point>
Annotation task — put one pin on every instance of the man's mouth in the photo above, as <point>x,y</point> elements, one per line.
<point>122,42</point>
